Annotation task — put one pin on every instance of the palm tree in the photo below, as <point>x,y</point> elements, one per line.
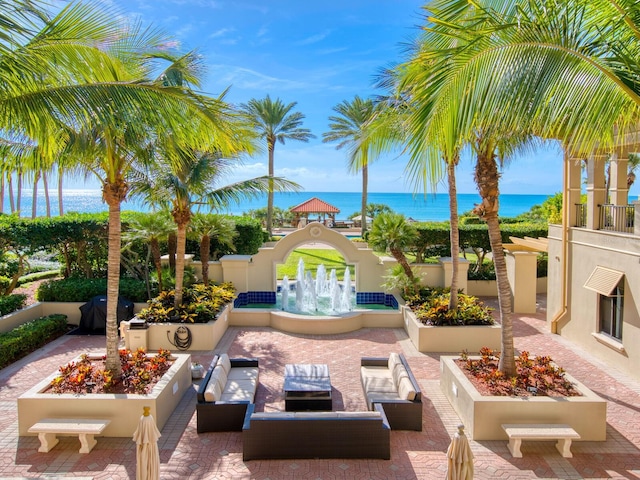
<point>204,227</point>
<point>194,181</point>
<point>151,228</point>
<point>391,232</point>
<point>351,128</point>
<point>275,122</point>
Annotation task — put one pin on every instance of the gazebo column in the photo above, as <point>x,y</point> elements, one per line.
<point>595,190</point>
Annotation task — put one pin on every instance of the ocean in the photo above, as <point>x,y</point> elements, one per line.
<point>419,207</point>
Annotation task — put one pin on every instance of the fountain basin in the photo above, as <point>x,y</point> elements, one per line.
<point>315,325</point>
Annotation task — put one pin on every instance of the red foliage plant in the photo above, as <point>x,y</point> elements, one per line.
<point>535,377</point>
<point>139,373</point>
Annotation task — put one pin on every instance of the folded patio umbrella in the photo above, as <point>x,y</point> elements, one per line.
<point>459,457</point>
<point>147,455</point>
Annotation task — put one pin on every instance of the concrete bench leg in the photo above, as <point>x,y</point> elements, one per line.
<point>564,447</point>
<point>87,442</point>
<point>514,447</point>
<point>47,441</point>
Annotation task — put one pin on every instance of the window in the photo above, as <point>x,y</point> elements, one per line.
<point>611,309</point>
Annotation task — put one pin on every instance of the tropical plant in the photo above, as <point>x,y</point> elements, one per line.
<point>350,128</point>
<point>151,228</point>
<point>391,232</point>
<point>275,122</point>
<point>193,181</point>
<point>204,228</point>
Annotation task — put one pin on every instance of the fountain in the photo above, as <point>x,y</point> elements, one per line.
<point>319,296</point>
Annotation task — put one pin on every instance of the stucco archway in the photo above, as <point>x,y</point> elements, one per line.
<point>369,268</point>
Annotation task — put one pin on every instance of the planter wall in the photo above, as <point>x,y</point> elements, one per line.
<point>472,338</point>
<point>204,336</point>
<point>42,309</point>
<point>124,410</point>
<point>484,415</point>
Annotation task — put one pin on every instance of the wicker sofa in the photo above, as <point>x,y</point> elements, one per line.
<point>279,435</point>
<point>228,387</point>
<point>390,383</point>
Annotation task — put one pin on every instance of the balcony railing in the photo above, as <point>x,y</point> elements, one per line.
<point>581,215</point>
<point>614,218</point>
<point>617,218</point>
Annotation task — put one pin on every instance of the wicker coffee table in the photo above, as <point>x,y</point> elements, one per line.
<point>307,387</point>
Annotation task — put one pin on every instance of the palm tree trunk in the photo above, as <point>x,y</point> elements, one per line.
<point>60,206</point>
<point>272,146</point>
<point>1,192</point>
<point>157,260</point>
<point>363,209</point>
<point>182,217</point>
<point>171,246</point>
<point>45,184</point>
<point>487,179</point>
<point>205,244</point>
<point>113,193</point>
<point>19,199</point>
<point>12,202</point>
<point>34,204</point>
<point>402,260</point>
<point>453,233</point>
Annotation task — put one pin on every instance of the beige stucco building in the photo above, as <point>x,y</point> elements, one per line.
<point>594,260</point>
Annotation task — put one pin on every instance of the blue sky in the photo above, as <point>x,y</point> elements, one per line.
<point>315,53</point>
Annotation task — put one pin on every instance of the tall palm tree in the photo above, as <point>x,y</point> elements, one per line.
<point>275,122</point>
<point>193,181</point>
<point>204,227</point>
<point>351,128</point>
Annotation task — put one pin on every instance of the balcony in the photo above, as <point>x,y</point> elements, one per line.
<point>613,218</point>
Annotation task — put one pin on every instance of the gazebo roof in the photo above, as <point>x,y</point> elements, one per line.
<point>315,205</point>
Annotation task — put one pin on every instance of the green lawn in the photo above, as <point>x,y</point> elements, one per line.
<point>312,257</point>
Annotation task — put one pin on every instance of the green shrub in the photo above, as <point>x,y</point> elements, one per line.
<point>200,304</point>
<point>11,303</point>
<point>431,307</point>
<point>84,289</point>
<point>32,277</point>
<point>30,336</point>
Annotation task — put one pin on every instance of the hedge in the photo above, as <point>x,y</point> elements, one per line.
<point>84,289</point>
<point>11,303</point>
<point>30,336</point>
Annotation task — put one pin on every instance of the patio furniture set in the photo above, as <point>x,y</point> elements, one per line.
<point>308,428</point>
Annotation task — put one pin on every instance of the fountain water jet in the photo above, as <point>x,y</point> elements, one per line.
<point>314,296</point>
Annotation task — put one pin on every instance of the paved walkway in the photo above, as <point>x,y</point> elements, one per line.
<point>415,455</point>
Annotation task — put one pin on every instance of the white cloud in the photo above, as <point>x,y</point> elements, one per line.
<point>313,38</point>
<point>221,32</point>
<point>245,78</point>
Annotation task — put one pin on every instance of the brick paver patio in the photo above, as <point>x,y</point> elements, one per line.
<point>414,455</point>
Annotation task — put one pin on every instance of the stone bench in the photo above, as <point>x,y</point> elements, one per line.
<point>519,432</point>
<point>48,428</point>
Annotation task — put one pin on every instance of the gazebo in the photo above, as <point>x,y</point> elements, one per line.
<point>315,206</point>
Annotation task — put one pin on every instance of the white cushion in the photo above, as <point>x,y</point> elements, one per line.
<point>399,372</point>
<point>406,390</point>
<point>243,373</point>
<point>394,359</point>
<point>213,392</point>
<point>225,362</point>
<point>238,390</point>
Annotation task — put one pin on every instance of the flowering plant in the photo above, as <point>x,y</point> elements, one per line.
<point>139,371</point>
<point>538,376</point>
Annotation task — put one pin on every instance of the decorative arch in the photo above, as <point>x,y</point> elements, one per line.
<point>369,268</point>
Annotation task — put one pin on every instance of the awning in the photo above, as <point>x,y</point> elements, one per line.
<point>604,280</point>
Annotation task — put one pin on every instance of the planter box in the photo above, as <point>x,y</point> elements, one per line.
<point>124,410</point>
<point>428,338</point>
<point>204,336</point>
<point>483,415</point>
